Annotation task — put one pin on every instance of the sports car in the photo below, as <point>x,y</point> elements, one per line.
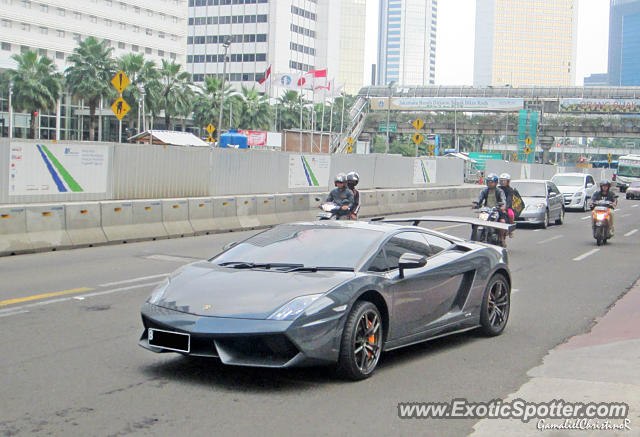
<point>330,293</point>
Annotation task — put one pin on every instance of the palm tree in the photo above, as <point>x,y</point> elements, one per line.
<point>90,75</point>
<point>168,89</point>
<point>186,104</point>
<point>289,110</point>
<point>255,112</point>
<point>36,85</point>
<point>207,104</point>
<point>142,74</point>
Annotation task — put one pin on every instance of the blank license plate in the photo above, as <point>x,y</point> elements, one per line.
<point>174,341</point>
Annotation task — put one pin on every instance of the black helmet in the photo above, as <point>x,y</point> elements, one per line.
<point>340,177</point>
<point>492,177</point>
<point>353,178</point>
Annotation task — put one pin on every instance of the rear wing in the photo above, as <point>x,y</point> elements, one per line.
<point>474,222</point>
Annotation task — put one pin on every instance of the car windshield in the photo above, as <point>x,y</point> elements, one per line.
<point>629,171</point>
<point>307,245</point>
<point>572,181</point>
<point>530,189</point>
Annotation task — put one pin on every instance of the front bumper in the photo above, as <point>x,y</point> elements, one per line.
<point>633,194</point>
<point>571,202</point>
<point>533,217</point>
<point>248,342</point>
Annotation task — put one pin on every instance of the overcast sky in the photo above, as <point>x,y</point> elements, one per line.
<point>455,40</point>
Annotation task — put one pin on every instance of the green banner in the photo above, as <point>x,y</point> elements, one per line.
<point>482,157</point>
<point>382,127</point>
<point>527,134</point>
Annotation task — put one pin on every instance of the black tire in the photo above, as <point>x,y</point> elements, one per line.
<point>585,207</point>
<point>359,355</point>
<point>496,304</point>
<point>560,219</point>
<point>545,223</point>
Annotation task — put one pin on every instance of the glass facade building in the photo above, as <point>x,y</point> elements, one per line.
<point>624,43</point>
<point>407,42</point>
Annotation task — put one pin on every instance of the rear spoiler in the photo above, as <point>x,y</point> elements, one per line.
<point>474,222</point>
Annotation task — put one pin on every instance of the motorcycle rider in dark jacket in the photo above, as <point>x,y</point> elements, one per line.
<point>341,195</point>
<point>352,180</point>
<point>605,193</point>
<point>493,196</point>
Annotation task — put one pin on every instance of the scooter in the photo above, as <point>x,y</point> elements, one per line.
<point>601,221</point>
<point>487,235</point>
<point>332,211</point>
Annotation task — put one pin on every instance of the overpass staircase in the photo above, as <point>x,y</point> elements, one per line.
<point>357,121</point>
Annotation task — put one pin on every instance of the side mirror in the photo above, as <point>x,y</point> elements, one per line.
<point>229,245</point>
<point>410,261</point>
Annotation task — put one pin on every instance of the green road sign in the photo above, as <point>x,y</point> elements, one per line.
<point>482,157</point>
<point>382,127</point>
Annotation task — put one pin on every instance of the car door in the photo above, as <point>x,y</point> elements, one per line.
<point>590,186</point>
<point>423,295</point>
<point>556,200</point>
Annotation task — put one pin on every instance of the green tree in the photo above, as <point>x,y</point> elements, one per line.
<point>288,108</point>
<point>206,106</point>
<point>36,85</point>
<point>142,74</point>
<point>168,89</point>
<point>255,111</point>
<point>89,75</point>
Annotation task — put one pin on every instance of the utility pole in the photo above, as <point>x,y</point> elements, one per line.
<point>226,45</point>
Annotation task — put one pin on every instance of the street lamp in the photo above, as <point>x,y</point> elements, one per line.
<point>10,110</point>
<point>225,44</point>
<point>391,85</point>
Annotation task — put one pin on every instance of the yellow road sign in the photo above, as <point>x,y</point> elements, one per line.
<point>350,140</point>
<point>417,124</point>
<point>527,150</point>
<point>120,81</point>
<point>609,155</point>
<point>431,154</point>
<point>432,147</point>
<point>120,108</point>
<point>417,138</point>
<point>210,128</point>
<point>349,149</point>
<point>211,139</point>
<point>515,154</point>
<point>528,141</point>
<point>609,160</point>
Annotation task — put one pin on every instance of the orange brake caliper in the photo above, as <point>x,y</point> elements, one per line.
<point>371,339</point>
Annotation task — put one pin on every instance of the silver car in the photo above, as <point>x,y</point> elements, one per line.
<point>576,189</point>
<point>543,202</point>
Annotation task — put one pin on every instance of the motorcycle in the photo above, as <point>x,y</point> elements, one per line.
<point>332,211</point>
<point>601,221</point>
<point>485,234</point>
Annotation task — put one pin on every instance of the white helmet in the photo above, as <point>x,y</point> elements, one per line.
<point>505,177</point>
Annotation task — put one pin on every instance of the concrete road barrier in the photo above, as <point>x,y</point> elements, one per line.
<point>369,204</point>
<point>175,218</point>
<point>247,212</point>
<point>302,207</point>
<point>46,227</point>
<point>266,207</point>
<point>84,224</point>
<point>284,208</point>
<point>13,231</point>
<point>147,218</point>
<point>117,221</point>
<point>224,214</point>
<point>201,215</point>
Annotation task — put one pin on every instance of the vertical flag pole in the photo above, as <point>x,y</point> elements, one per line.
<point>313,110</point>
<point>300,91</point>
<point>120,131</point>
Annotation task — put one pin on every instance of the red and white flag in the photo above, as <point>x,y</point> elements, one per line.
<point>317,73</point>
<point>266,77</point>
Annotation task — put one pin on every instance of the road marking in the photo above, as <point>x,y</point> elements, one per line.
<point>127,281</point>
<point>43,296</point>
<point>586,218</point>
<point>550,239</point>
<point>13,313</point>
<point>634,206</point>
<point>515,290</point>
<point>537,230</point>
<point>443,228</point>
<point>21,309</point>
<point>585,255</point>
<point>625,215</point>
<point>630,233</point>
<point>177,259</point>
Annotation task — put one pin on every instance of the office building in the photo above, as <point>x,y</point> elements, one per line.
<point>288,35</point>
<point>624,43</point>
<point>407,42</point>
<point>601,79</point>
<point>525,42</point>
<point>352,39</point>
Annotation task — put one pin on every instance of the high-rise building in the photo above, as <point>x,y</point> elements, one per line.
<point>624,43</point>
<point>352,34</point>
<point>407,42</point>
<point>156,28</point>
<point>597,79</point>
<point>288,35</point>
<point>525,42</point>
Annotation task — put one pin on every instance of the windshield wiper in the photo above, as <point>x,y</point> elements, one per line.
<point>249,265</point>
<point>320,269</point>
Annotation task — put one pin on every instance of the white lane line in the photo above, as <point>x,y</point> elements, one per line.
<point>537,230</point>
<point>585,255</point>
<point>634,206</point>
<point>442,228</point>
<point>170,258</point>
<point>515,290</point>
<point>13,313</point>
<point>127,281</point>
<point>586,218</point>
<point>550,239</point>
<point>630,233</point>
<point>21,309</point>
<point>625,215</point>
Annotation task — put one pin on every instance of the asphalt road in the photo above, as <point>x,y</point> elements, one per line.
<point>71,364</point>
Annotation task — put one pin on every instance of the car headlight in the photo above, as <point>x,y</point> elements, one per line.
<point>293,308</point>
<point>578,194</point>
<point>158,293</point>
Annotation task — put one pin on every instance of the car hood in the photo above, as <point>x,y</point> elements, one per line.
<point>206,289</point>
<point>570,189</point>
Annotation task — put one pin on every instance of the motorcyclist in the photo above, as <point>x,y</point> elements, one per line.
<point>341,195</point>
<point>352,181</point>
<point>493,196</point>
<point>509,191</point>
<point>605,193</point>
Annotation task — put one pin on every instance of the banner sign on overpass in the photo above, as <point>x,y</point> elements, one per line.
<point>600,106</point>
<point>447,104</point>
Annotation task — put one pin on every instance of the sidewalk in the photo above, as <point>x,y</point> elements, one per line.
<point>600,366</point>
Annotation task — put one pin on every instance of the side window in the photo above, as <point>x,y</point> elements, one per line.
<point>436,244</point>
<point>553,188</point>
<point>405,242</point>
<point>590,180</point>
<point>379,263</point>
